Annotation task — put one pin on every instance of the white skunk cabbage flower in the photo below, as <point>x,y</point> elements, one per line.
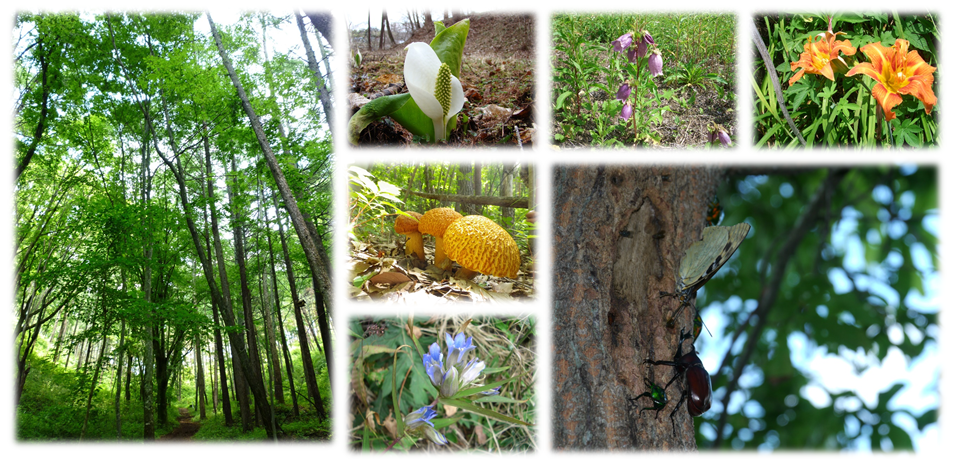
<point>437,92</point>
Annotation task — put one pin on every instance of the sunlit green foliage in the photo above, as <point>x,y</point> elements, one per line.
<point>840,112</point>
<point>855,286</point>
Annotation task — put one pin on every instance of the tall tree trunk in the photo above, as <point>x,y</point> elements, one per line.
<point>476,179</point>
<point>625,211</point>
<point>320,85</point>
<point>266,306</point>
<point>386,27</point>
<point>242,388</point>
<point>308,369</point>
<point>96,377</point>
<point>200,379</point>
<point>285,346</point>
<point>70,348</point>
<point>248,321</point>
<point>220,366</point>
<point>163,374</point>
<point>320,276</point>
<point>528,173</point>
<point>212,376</point>
<point>59,337</point>
<point>120,356</point>
<point>129,377</point>
<point>466,188</point>
<point>38,133</point>
<point>507,189</point>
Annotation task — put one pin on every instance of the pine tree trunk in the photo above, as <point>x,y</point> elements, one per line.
<point>608,313</point>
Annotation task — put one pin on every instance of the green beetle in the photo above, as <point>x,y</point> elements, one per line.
<point>657,395</point>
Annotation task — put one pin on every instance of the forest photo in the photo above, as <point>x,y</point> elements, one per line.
<point>438,232</point>
<point>172,219</point>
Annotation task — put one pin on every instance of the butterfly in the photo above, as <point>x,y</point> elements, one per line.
<point>704,258</point>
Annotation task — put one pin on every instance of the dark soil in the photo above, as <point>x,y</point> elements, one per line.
<point>497,76</point>
<point>186,429</point>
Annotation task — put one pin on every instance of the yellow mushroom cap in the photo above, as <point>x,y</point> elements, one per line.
<point>404,224</point>
<point>435,221</point>
<point>479,244</point>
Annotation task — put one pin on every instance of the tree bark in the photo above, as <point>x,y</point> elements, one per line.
<point>466,188</point>
<point>44,110</point>
<point>322,21</point>
<point>619,234</point>
<point>368,30</point>
<point>507,181</point>
<point>96,377</point>
<point>266,306</point>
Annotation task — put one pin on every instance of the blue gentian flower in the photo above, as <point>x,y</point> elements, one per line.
<point>458,346</point>
<point>418,423</point>
<point>451,376</point>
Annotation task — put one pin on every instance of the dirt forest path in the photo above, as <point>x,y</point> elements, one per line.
<point>186,429</point>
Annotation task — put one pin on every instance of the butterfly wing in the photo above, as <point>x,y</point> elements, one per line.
<point>704,258</point>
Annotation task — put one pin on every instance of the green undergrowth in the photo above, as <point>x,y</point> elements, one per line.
<point>53,407</point>
<point>305,427</point>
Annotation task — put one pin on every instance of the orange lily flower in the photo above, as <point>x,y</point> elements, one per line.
<point>817,56</point>
<point>897,72</point>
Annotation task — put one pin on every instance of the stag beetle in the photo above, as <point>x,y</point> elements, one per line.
<point>696,390</point>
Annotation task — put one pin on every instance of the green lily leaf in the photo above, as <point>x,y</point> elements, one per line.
<point>449,45</point>
<point>375,110</point>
